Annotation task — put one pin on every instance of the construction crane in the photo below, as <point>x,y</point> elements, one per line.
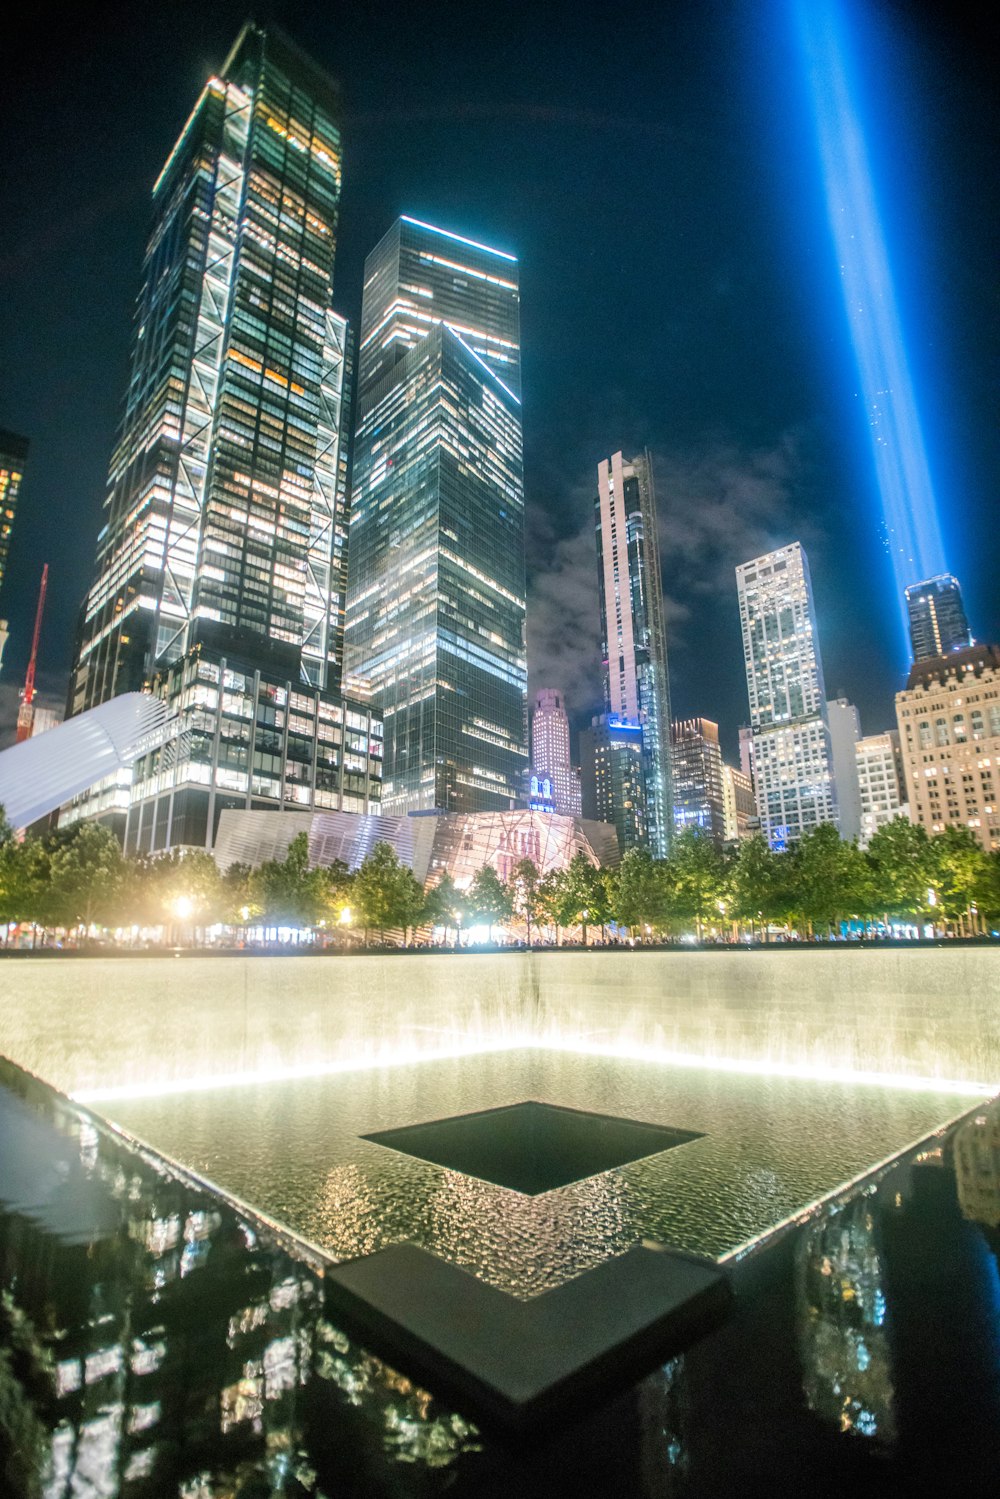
<point>26,712</point>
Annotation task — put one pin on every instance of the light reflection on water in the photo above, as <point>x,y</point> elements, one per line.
<point>162,1344</point>
<point>771,1148</point>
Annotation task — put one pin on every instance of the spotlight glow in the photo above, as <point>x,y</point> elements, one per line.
<point>901,467</point>
<point>451,1047</point>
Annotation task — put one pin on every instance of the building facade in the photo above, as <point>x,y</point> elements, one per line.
<point>13,457</point>
<point>880,782</point>
<point>792,755</point>
<point>251,739</point>
<point>550,752</point>
<point>613,779</point>
<point>696,762</point>
<point>845,731</point>
<point>436,588</point>
<point>738,803</point>
<point>949,734</point>
<point>633,633</point>
<point>225,523</point>
<point>936,613</point>
<point>431,844</point>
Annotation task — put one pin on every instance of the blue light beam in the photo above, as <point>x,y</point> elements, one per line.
<point>902,472</point>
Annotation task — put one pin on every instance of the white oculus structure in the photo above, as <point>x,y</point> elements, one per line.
<point>48,770</point>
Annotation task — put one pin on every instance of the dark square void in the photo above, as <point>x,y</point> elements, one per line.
<point>532,1147</point>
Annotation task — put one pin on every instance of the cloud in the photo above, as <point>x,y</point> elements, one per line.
<point>718,504</point>
<point>563,624</point>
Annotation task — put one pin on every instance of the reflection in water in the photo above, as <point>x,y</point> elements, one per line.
<point>977,1166</point>
<point>174,1351</point>
<point>843,1339</point>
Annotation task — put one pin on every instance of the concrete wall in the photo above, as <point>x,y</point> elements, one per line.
<point>100,1023</point>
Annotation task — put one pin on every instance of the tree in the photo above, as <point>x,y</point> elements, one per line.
<point>902,863</point>
<point>961,872</point>
<point>756,886</point>
<point>387,893</point>
<point>831,877</point>
<point>635,894</point>
<point>444,904</point>
<point>581,895</point>
<point>287,891</point>
<point>85,876</point>
<point>489,898</point>
<point>697,870</point>
<point>526,882</point>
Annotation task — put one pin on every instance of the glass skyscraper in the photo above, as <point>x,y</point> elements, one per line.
<point>13,456</point>
<point>633,634</point>
<point>792,756</point>
<point>937,617</point>
<point>225,531</point>
<point>436,591</point>
<point>699,793</point>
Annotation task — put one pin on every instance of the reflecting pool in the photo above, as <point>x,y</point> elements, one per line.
<point>157,1341</point>
<point>768,1148</point>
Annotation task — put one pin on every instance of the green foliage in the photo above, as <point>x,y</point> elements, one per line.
<point>901,860</point>
<point>489,900</point>
<point>85,877</point>
<point>526,884</point>
<point>961,871</point>
<point>286,891</point>
<point>387,894</point>
<point>697,874</point>
<point>445,905</point>
<point>577,895</point>
<point>831,877</point>
<point>757,886</point>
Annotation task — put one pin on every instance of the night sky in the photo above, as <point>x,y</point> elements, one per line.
<point>653,168</point>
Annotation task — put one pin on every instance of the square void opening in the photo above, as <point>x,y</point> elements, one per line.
<point>532,1147</point>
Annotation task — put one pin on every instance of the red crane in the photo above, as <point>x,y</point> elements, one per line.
<point>26,712</point>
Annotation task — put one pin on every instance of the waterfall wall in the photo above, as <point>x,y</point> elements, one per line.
<point>91,1025</point>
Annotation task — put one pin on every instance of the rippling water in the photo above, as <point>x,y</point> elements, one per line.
<point>771,1147</point>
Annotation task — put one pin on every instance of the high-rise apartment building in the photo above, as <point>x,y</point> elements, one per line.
<point>738,803</point>
<point>845,731</point>
<point>880,782</point>
<point>791,754</point>
<point>949,731</point>
<point>613,779</point>
<point>550,752</point>
<point>633,634</point>
<point>938,624</point>
<point>696,763</point>
<point>225,524</point>
<point>13,457</point>
<point>436,591</point>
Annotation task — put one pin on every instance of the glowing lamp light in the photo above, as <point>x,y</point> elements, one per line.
<point>345,916</point>
<point>183,907</point>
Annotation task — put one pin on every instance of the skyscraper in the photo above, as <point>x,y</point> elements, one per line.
<point>949,731</point>
<point>845,732</point>
<point>633,635</point>
<point>550,752</point>
<point>613,779</point>
<point>13,456</point>
<point>937,618</point>
<point>792,756</point>
<point>224,537</point>
<point>880,782</point>
<point>696,762</point>
<point>436,588</point>
<point>738,802</point>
